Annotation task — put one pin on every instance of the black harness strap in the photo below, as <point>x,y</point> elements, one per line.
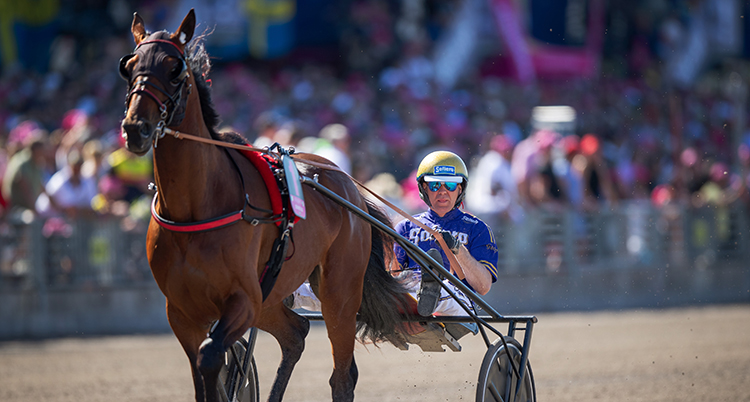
<point>281,244</point>
<point>278,256</point>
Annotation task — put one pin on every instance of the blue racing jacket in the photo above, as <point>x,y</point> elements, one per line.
<point>474,234</point>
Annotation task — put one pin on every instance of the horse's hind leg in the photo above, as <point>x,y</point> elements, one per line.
<point>341,296</point>
<point>290,330</point>
<point>233,323</point>
<point>342,328</point>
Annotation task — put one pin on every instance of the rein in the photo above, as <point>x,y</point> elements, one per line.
<point>455,265</point>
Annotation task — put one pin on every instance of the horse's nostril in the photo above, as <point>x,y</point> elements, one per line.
<point>129,129</point>
<point>145,130</point>
<point>140,128</point>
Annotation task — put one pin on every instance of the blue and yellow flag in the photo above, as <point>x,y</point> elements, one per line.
<point>271,27</point>
<point>23,20</point>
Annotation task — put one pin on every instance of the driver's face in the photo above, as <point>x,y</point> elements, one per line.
<point>442,200</point>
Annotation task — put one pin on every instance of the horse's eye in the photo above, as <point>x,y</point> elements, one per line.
<point>124,73</point>
<point>178,73</point>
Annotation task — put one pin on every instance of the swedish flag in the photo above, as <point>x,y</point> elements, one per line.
<point>28,25</point>
<point>271,24</point>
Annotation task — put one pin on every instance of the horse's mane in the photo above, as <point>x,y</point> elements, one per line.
<point>200,64</point>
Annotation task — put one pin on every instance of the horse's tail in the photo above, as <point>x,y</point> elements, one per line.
<point>384,299</point>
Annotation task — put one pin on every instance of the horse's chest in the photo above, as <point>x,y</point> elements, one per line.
<point>186,263</point>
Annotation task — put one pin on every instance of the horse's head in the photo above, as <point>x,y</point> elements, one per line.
<point>159,82</point>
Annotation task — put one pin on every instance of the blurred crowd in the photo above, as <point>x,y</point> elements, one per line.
<point>635,139</point>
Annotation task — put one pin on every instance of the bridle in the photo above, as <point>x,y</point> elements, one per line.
<point>172,110</point>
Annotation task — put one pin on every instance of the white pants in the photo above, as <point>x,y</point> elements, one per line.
<point>305,298</point>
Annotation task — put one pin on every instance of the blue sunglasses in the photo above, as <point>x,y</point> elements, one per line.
<point>435,185</point>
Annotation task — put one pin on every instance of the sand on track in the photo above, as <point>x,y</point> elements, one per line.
<point>699,353</point>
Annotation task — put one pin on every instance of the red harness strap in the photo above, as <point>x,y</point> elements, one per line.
<point>262,163</point>
<point>169,42</point>
<point>202,226</point>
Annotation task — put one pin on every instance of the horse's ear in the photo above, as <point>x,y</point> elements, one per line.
<point>184,33</point>
<point>138,29</point>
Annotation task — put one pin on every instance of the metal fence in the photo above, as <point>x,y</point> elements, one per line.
<point>76,253</point>
<point>111,251</point>
<point>633,234</point>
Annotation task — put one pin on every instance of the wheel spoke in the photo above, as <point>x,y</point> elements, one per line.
<point>238,377</point>
<point>498,381</point>
<point>494,392</point>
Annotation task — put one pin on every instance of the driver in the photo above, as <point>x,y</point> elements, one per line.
<point>442,178</point>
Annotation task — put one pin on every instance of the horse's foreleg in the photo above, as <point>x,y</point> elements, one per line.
<point>290,330</point>
<point>200,392</point>
<point>233,323</point>
<point>190,339</point>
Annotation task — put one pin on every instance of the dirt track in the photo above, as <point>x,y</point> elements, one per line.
<point>667,355</point>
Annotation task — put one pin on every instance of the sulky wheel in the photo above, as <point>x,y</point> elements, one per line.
<point>497,379</point>
<point>233,385</point>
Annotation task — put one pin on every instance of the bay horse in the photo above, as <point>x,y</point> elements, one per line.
<point>211,278</point>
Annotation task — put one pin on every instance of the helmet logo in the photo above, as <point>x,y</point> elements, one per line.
<point>445,170</point>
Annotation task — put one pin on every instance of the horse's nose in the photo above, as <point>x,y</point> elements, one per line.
<point>139,127</point>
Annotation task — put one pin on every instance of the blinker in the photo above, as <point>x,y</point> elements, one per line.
<point>124,73</point>
<point>182,75</point>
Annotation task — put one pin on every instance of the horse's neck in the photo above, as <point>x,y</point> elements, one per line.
<point>186,172</point>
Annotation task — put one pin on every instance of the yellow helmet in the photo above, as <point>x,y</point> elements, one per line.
<point>442,166</point>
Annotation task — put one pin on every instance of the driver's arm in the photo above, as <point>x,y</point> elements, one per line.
<point>476,274</point>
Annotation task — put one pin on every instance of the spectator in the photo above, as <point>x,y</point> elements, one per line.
<point>23,180</point>
<point>722,189</point>
<point>126,179</point>
<point>694,171</point>
<point>546,188</point>
<point>493,189</point>
<point>336,146</point>
<point>265,126</point>
<point>570,177</point>
<point>289,134</point>
<point>68,193</point>
<point>74,131</point>
<point>524,162</point>
<point>598,187</point>
<point>93,160</point>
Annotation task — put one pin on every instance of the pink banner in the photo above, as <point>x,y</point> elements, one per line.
<point>527,60</point>
<point>514,39</point>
